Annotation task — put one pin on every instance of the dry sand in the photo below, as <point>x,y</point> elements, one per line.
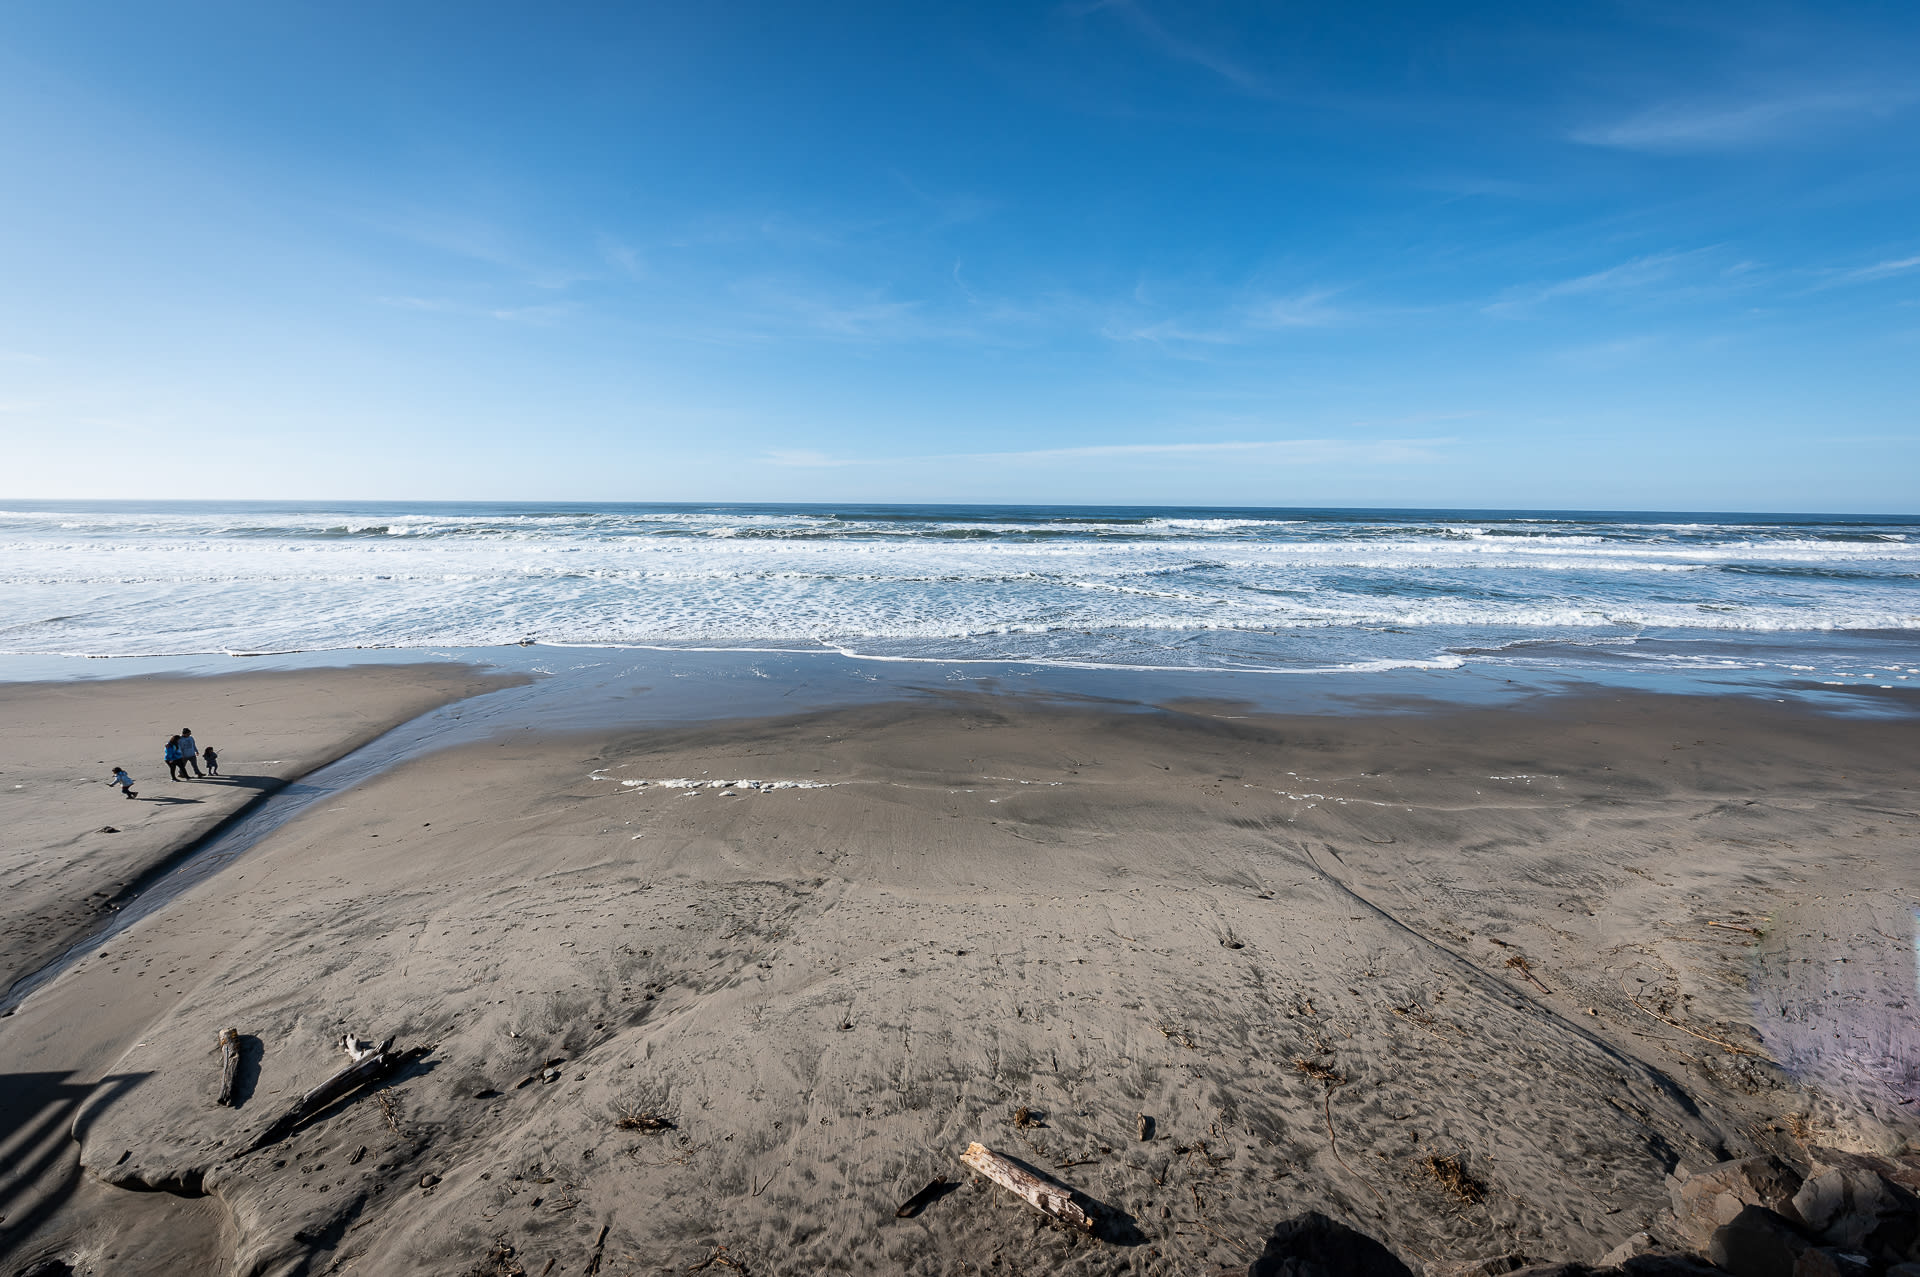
<point>1558,950</point>
<point>74,847</point>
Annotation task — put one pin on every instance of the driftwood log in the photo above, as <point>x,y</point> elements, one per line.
<point>229,1064</point>
<point>1048,1196</point>
<point>366,1064</point>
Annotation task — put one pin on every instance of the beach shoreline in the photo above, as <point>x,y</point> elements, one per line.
<point>1291,940</point>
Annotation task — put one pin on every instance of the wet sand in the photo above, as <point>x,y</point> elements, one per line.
<point>1559,950</point>
<point>75,847</point>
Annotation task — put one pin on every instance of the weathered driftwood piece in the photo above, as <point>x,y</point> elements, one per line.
<point>1048,1196</point>
<point>1146,1127</point>
<point>229,1064</point>
<point>367,1063</point>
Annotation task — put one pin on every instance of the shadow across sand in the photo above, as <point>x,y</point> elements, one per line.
<point>246,1075</point>
<point>43,1117</point>
<point>258,783</point>
<point>1312,1245</point>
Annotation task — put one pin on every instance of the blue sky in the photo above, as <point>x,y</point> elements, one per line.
<point>1598,255</point>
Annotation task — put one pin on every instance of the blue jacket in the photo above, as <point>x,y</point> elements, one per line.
<point>172,754</point>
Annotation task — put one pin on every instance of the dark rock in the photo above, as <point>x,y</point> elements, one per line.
<point>1855,1208</point>
<point>1492,1266</point>
<point>1843,1263</point>
<point>1666,1266</point>
<point>1758,1243</point>
<point>1705,1200</point>
<point>55,1267</point>
<point>1635,1244</point>
<point>1312,1245</point>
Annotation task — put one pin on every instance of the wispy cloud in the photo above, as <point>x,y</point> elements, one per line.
<point>459,234</point>
<point>1636,275</point>
<point>847,316</point>
<point>1697,127</point>
<point>1882,270</point>
<point>1229,324</point>
<point>545,314</point>
<point>20,357</point>
<point>948,209</point>
<point>1602,355</point>
<point>1182,49</point>
<point>1301,310</point>
<point>1246,451</point>
<point>621,256</point>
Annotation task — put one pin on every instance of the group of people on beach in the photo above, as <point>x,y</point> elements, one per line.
<point>181,753</point>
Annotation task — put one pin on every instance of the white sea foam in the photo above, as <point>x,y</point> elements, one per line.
<point>754,786</point>
<point>1106,588</point>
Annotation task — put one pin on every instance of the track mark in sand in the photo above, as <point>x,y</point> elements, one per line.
<point>1533,1008</point>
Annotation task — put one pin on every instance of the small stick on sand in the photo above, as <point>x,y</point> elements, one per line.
<point>1737,1050</point>
<point>1049,1197</point>
<point>1525,968</point>
<point>1734,926</point>
<point>719,1258</point>
<point>229,1064</point>
<point>599,1248</point>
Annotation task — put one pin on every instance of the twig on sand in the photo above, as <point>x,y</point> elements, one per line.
<point>387,1110</point>
<point>1704,1037</point>
<point>1223,1237</point>
<point>599,1249</point>
<point>1177,1036</point>
<point>1454,1177</point>
<point>719,1259</point>
<point>1734,926</point>
<point>1332,1080</point>
<point>1525,968</point>
<point>638,1119</point>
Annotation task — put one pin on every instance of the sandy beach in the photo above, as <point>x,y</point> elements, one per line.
<point>75,848</point>
<point>1472,982</point>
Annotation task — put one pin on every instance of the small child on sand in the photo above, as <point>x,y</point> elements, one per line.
<point>123,780</point>
<point>211,758</point>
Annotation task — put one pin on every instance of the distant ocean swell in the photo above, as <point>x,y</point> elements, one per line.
<point>1281,590</point>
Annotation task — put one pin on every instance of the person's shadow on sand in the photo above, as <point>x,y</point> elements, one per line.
<point>169,801</point>
<point>242,782</point>
<point>1312,1245</point>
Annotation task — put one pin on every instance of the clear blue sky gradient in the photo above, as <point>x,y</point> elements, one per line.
<point>1655,256</point>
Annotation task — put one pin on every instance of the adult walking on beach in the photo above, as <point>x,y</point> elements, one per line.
<point>176,770</point>
<point>189,753</point>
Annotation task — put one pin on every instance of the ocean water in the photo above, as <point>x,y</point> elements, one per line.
<point>1825,598</point>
